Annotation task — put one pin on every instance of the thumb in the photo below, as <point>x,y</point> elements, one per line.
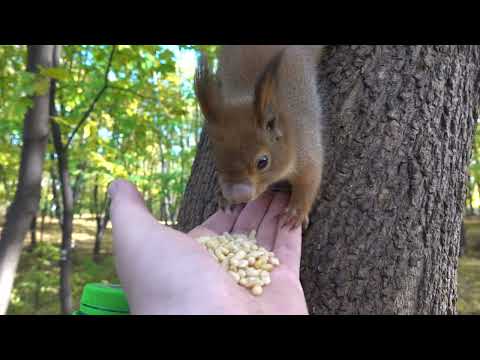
<point>121,190</point>
<point>131,220</point>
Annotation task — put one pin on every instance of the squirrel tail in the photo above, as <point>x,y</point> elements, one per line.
<point>206,87</point>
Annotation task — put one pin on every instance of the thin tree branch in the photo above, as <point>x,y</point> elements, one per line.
<point>94,102</point>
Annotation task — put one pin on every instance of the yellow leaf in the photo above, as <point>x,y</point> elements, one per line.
<point>86,130</point>
<point>108,120</point>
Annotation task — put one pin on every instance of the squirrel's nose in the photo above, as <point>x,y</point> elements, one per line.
<point>238,193</point>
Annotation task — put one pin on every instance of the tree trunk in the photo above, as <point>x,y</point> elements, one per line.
<point>199,200</point>
<point>67,191</point>
<point>56,201</point>
<point>33,233</point>
<point>42,226</point>
<point>67,202</point>
<point>67,222</point>
<point>27,196</point>
<point>78,183</point>
<point>385,231</point>
<point>163,208</point>
<point>101,227</point>
<point>102,222</point>
<point>95,207</point>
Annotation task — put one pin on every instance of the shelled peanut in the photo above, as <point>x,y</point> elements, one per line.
<point>248,263</point>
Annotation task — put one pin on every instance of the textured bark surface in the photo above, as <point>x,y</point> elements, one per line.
<point>386,235</point>
<point>65,292</point>
<point>33,233</point>
<point>385,232</point>
<point>199,201</point>
<point>27,196</point>
<point>102,217</point>
<point>67,192</point>
<point>56,196</point>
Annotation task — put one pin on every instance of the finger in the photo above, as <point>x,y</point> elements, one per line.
<point>132,224</point>
<point>288,248</point>
<point>201,231</point>
<point>122,190</point>
<point>128,212</point>
<point>222,222</point>
<point>252,215</point>
<point>268,228</point>
<point>140,242</point>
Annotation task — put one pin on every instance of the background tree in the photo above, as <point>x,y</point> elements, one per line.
<point>385,233</point>
<point>68,190</point>
<point>130,115</point>
<point>25,204</point>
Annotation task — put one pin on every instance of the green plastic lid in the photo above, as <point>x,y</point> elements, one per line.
<point>103,299</point>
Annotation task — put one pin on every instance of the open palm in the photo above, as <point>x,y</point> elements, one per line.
<point>164,271</point>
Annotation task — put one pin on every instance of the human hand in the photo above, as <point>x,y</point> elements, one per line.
<point>164,271</point>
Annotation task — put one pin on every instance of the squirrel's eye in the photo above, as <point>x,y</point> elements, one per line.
<point>262,162</point>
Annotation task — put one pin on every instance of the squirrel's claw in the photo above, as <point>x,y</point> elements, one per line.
<point>305,223</point>
<point>292,218</point>
<point>224,204</point>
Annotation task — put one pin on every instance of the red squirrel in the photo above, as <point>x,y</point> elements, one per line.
<point>263,117</point>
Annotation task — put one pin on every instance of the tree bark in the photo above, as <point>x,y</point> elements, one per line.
<point>385,230</point>
<point>42,226</point>
<point>102,223</point>
<point>33,233</point>
<point>62,152</point>
<point>56,201</point>
<point>67,202</point>
<point>67,222</point>
<point>27,196</point>
<point>78,183</point>
<point>102,217</point>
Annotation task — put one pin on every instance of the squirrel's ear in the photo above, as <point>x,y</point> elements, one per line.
<point>207,89</point>
<point>265,90</point>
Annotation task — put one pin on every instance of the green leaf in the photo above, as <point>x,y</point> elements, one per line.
<point>41,86</point>
<point>62,121</point>
<point>58,73</point>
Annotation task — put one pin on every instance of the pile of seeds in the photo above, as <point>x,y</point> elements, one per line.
<point>248,263</point>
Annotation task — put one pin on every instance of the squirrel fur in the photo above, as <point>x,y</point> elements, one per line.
<point>263,118</point>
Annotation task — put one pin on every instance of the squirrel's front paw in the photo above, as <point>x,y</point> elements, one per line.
<point>292,218</point>
<point>224,204</point>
